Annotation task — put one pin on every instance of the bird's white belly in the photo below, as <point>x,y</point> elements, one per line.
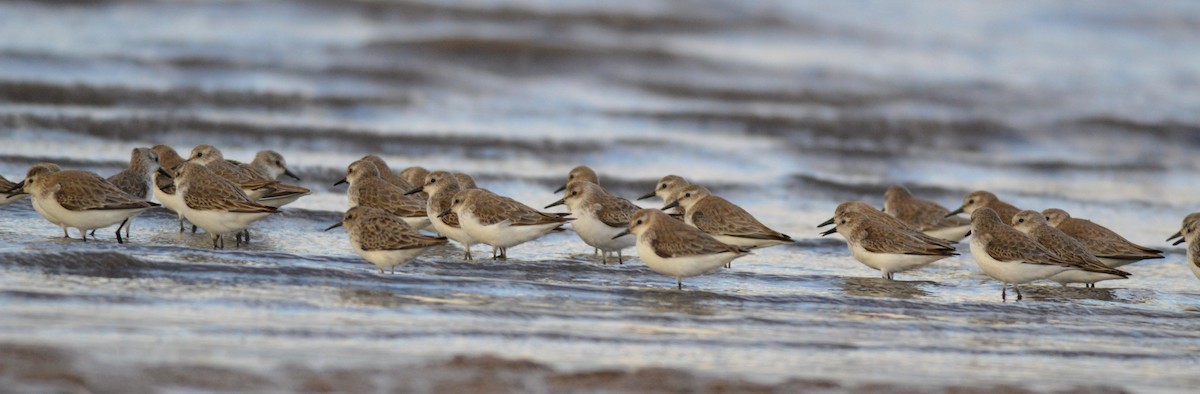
<point>682,267</point>
<point>1117,263</point>
<point>1081,276</point>
<point>953,234</point>
<point>596,234</point>
<point>37,206</point>
<point>501,234</point>
<point>222,222</point>
<point>387,259</point>
<point>891,262</point>
<point>457,234</point>
<point>1010,272</point>
<point>87,219</point>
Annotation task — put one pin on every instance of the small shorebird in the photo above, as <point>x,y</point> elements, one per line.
<point>598,217</point>
<point>1111,248</point>
<point>724,220</point>
<point>877,215</point>
<point>258,187</point>
<point>1090,269</point>
<point>415,176</point>
<point>668,189</point>
<point>580,173</point>
<point>83,200</point>
<point>926,216</point>
<point>500,221</point>
<point>1190,234</point>
<point>671,247</point>
<point>216,204</point>
<point>1193,217</point>
<point>137,179</point>
<point>387,174</point>
<point>21,189</point>
<point>979,199</point>
<point>384,239</point>
<point>887,248</point>
<point>367,187</point>
<point>441,186</point>
<point>270,165</point>
<point>164,183</point>
<point>1008,255</point>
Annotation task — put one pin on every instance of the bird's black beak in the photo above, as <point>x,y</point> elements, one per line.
<point>1181,240</point>
<point>20,187</point>
<point>560,189</point>
<point>955,212</point>
<point>1176,235</point>
<point>415,191</point>
<point>165,173</point>
<point>444,213</point>
<point>830,231</point>
<point>648,195</point>
<point>290,174</point>
<point>673,204</point>
<point>968,234</point>
<point>335,225</point>
<point>340,182</point>
<point>560,201</point>
<point>622,234</point>
<point>826,223</point>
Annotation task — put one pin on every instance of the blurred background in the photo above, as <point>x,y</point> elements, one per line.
<point>784,107</point>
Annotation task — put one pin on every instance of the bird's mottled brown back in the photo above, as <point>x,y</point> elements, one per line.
<point>672,238</point>
<point>388,232</point>
<point>491,208</point>
<point>718,216</point>
<point>880,237</point>
<point>81,190</point>
<point>1103,242</point>
<point>375,192</point>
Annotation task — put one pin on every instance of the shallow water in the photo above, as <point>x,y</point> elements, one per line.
<point>784,107</point>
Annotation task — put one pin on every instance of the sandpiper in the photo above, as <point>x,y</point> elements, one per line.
<point>724,220</point>
<point>384,239</point>
<point>164,183</point>
<point>1089,268</point>
<point>1008,255</point>
<point>668,189</point>
<point>980,198</point>
<point>387,173</point>
<point>216,204</point>
<point>500,221</point>
<point>1111,248</point>
<point>270,165</point>
<point>885,247</point>
<point>598,217</point>
<point>137,179</point>
<point>926,216</point>
<point>258,187</point>
<point>671,247</point>
<point>1193,217</point>
<point>1190,234</point>
<point>367,187</point>
<point>83,200</point>
<point>877,215</point>
<point>21,189</point>
<point>441,186</point>
<point>580,173</point>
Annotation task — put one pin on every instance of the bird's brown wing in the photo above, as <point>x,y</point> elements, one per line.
<point>676,239</point>
<point>717,216</point>
<point>391,233</point>
<point>129,182</point>
<point>79,191</point>
<point>378,193</point>
<point>497,208</point>
<point>882,238</point>
<point>1103,242</point>
<point>616,211</point>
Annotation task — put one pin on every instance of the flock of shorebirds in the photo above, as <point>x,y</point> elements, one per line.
<point>694,233</point>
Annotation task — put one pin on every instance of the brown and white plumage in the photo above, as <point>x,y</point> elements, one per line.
<point>1008,255</point>
<point>387,173</point>
<point>384,239</point>
<point>214,203</point>
<point>256,185</point>
<point>500,221</point>
<point>888,248</point>
<point>580,173</point>
<point>269,164</point>
<point>925,216</point>
<point>1089,269</point>
<point>164,186</point>
<point>671,247</point>
<point>441,186</point>
<point>465,181</point>
<point>368,188</point>
<point>981,198</point>
<point>1112,249</point>
<point>598,217</point>
<point>83,200</point>
<point>724,220</point>
<point>668,189</point>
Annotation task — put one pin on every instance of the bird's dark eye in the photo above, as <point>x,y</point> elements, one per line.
<point>687,194</point>
<point>574,193</point>
<point>433,180</point>
<point>970,201</point>
<point>639,222</point>
<point>1020,220</point>
<point>1047,218</point>
<point>278,163</point>
<point>843,221</point>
